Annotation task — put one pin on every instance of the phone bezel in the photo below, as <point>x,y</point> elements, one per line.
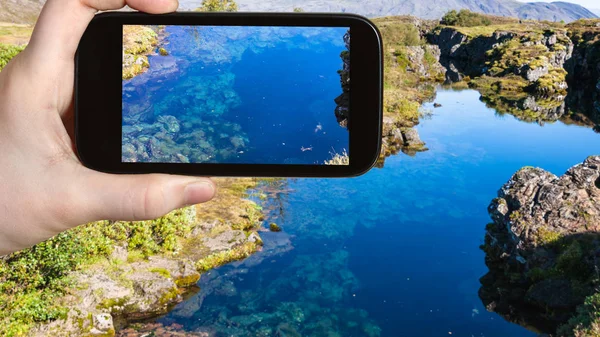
<point>98,93</point>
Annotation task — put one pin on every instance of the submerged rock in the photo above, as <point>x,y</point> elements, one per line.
<point>543,245</point>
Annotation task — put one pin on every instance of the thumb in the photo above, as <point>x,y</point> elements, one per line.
<point>141,197</point>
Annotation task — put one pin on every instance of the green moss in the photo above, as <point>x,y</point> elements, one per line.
<point>547,237</point>
<point>274,227</point>
<point>169,297</point>
<point>163,51</point>
<point>109,303</point>
<point>161,271</point>
<point>187,281</point>
<point>218,259</point>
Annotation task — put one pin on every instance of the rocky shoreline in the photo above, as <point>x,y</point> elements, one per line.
<point>536,71</point>
<point>126,286</point>
<point>542,248</point>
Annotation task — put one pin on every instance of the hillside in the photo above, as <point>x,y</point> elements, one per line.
<point>25,11</point>
<point>555,11</point>
<point>20,11</point>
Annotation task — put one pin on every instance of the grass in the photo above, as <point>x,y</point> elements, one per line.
<point>15,34</point>
<point>229,205</point>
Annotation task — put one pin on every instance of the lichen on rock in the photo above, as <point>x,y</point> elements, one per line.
<point>542,246</point>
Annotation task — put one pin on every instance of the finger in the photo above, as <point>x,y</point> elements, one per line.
<point>140,197</point>
<point>62,23</point>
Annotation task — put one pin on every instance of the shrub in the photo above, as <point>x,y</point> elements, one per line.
<point>465,18</point>
<point>402,34</point>
<point>218,6</point>
<point>7,52</point>
<point>32,279</point>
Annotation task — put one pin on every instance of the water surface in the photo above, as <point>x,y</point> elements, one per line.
<point>252,95</point>
<point>394,252</point>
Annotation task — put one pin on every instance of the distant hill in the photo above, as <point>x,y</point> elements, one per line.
<point>428,9</point>
<point>20,11</point>
<point>26,11</point>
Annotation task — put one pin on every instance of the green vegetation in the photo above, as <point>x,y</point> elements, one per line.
<point>273,227</point>
<point>218,6</point>
<point>138,42</point>
<point>31,280</point>
<point>162,51</point>
<point>586,323</point>
<point>7,52</point>
<point>219,259</point>
<point>15,34</point>
<point>465,18</point>
<point>298,10</point>
<point>405,89</point>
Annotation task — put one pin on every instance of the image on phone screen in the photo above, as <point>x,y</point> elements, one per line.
<point>236,94</point>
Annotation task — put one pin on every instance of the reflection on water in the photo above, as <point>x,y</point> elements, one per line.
<point>394,252</point>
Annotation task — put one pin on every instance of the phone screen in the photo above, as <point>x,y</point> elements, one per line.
<point>236,94</point>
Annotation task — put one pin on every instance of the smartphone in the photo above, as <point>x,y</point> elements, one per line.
<point>229,94</point>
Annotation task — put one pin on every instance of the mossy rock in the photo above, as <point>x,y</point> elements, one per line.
<point>274,227</point>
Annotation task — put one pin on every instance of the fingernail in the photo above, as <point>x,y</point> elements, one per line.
<point>198,192</point>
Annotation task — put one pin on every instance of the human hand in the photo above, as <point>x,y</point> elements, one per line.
<point>44,189</point>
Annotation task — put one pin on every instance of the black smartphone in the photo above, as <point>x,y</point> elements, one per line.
<point>229,94</point>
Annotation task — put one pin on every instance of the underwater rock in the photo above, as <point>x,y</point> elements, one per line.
<point>159,330</point>
<point>237,142</point>
<point>543,244</point>
<point>273,227</point>
<point>138,112</point>
<point>170,123</point>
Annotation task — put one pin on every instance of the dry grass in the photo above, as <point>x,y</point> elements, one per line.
<point>229,204</point>
<point>15,34</point>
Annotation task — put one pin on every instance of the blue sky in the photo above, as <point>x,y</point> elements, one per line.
<point>585,3</point>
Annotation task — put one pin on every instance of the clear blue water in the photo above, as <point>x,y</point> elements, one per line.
<point>239,95</point>
<point>394,252</point>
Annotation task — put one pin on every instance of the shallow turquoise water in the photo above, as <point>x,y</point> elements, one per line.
<point>394,252</point>
<point>252,95</point>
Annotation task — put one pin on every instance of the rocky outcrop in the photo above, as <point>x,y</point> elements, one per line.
<point>109,294</point>
<point>397,137</point>
<point>584,72</point>
<point>536,72</point>
<point>342,110</point>
<point>463,55</point>
<point>543,247</point>
<point>425,61</point>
